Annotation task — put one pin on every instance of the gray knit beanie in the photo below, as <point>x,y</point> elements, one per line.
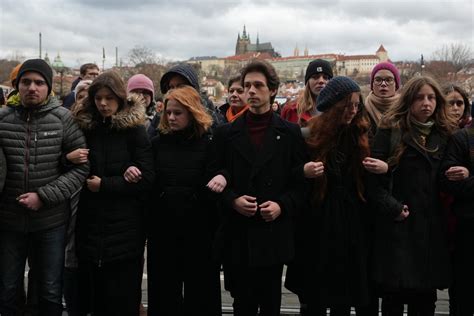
<point>335,90</point>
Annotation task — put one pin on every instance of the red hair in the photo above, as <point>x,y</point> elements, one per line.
<point>326,132</point>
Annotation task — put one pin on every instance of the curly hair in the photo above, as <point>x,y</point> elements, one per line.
<point>325,134</point>
<point>188,97</point>
<point>398,116</point>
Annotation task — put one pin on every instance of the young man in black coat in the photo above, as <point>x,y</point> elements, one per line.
<point>262,157</point>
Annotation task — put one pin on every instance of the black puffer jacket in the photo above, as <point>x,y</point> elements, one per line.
<point>110,222</point>
<point>33,141</point>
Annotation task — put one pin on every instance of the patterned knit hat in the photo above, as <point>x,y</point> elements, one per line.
<point>318,66</point>
<point>39,66</point>
<point>336,89</point>
<point>387,66</point>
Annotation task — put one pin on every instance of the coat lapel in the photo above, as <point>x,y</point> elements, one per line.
<point>239,135</point>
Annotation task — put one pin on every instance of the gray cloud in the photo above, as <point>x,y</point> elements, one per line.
<point>182,29</point>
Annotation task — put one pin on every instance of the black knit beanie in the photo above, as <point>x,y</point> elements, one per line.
<point>335,90</point>
<point>318,66</point>
<point>39,66</point>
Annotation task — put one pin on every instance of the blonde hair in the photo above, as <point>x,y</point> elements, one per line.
<point>188,97</point>
<point>305,101</point>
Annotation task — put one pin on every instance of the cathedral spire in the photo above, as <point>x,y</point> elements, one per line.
<point>244,34</point>
<point>258,40</point>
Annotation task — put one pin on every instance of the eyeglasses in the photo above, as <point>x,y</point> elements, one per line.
<point>459,103</point>
<point>389,81</point>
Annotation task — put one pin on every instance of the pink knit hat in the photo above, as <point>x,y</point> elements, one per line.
<point>141,82</point>
<point>387,66</point>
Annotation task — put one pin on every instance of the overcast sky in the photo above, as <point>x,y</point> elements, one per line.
<point>182,29</point>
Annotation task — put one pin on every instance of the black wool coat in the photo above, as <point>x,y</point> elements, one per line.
<point>330,265</point>
<point>411,254</point>
<point>274,172</point>
<point>110,222</point>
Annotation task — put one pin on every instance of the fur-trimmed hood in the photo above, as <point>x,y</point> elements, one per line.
<point>132,114</point>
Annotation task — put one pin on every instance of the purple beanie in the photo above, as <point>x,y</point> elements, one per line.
<point>387,66</point>
<point>141,82</point>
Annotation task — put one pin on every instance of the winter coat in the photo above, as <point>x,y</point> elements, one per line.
<point>110,222</point>
<point>290,113</point>
<point>410,254</point>
<point>458,154</point>
<point>274,172</point>
<point>330,265</point>
<point>33,141</point>
<point>181,204</point>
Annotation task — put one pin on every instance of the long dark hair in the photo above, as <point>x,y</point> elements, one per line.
<point>324,131</point>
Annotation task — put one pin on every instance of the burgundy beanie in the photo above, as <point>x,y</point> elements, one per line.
<point>387,66</point>
<point>141,82</point>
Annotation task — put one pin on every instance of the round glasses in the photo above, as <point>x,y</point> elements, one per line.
<point>388,81</point>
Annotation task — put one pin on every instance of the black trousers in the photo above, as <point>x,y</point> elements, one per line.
<point>255,288</point>
<point>114,289</point>
<point>419,304</point>
<point>461,294</point>
<point>182,277</point>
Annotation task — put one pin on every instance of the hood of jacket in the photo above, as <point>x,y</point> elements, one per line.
<point>185,70</point>
<point>132,114</point>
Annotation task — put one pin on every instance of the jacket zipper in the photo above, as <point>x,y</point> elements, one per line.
<point>27,152</point>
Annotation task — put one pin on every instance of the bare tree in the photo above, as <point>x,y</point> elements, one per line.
<point>142,55</point>
<point>458,54</point>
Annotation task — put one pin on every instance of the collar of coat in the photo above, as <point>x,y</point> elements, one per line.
<point>132,114</point>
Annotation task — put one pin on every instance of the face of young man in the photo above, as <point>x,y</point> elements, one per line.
<point>257,92</point>
<point>91,74</point>
<point>33,89</point>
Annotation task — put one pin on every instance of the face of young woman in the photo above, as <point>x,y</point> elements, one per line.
<point>424,104</point>
<point>455,105</point>
<point>384,84</point>
<point>178,116</point>
<point>236,95</point>
<point>351,109</point>
<point>106,102</point>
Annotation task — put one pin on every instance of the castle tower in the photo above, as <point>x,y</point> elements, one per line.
<point>382,53</point>
<point>296,51</point>
<point>242,42</point>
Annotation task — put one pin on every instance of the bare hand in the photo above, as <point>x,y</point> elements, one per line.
<point>376,166</point>
<point>93,183</point>
<point>270,211</point>
<point>313,169</point>
<point>403,214</point>
<point>457,173</point>
<point>245,205</point>
<point>132,174</point>
<point>78,156</point>
<point>217,184</point>
<point>30,200</point>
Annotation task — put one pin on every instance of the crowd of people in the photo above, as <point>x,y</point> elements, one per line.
<point>363,198</point>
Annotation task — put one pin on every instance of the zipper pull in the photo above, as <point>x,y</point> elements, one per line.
<point>36,138</point>
<point>100,263</point>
